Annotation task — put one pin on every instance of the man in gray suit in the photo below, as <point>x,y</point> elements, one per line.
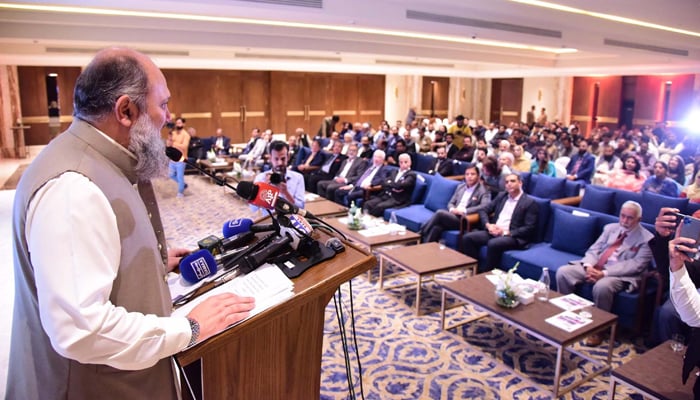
<point>351,169</point>
<point>613,263</point>
<point>469,197</point>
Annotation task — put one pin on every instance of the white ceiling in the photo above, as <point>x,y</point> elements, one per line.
<point>65,38</point>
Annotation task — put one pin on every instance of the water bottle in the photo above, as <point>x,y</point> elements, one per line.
<point>393,224</point>
<point>543,287</point>
<point>351,213</point>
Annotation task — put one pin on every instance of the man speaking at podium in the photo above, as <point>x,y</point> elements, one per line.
<point>92,309</point>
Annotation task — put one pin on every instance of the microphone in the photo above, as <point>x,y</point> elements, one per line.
<point>241,225</point>
<point>197,266</point>
<point>266,196</point>
<point>176,155</point>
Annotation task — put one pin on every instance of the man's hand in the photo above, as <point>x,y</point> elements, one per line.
<point>494,230</point>
<point>218,312</point>
<point>665,222</point>
<point>677,249</point>
<point>174,257</point>
<point>346,187</point>
<point>457,211</point>
<point>593,275</point>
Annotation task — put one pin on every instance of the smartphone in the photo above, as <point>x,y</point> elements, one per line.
<point>690,228</point>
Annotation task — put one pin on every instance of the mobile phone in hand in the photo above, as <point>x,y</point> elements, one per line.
<point>690,228</point>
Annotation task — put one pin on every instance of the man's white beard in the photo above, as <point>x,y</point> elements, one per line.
<point>145,142</point>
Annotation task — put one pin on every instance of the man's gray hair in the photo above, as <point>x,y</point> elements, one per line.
<point>633,204</point>
<point>106,79</point>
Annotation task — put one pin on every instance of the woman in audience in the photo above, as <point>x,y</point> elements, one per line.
<point>629,177</point>
<point>676,169</point>
<point>521,159</point>
<point>542,165</point>
<point>692,192</point>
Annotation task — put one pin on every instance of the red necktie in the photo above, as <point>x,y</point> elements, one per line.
<point>610,250</point>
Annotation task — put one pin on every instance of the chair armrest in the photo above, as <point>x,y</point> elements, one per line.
<point>639,313</point>
<point>454,177</point>
<point>568,201</point>
<point>372,189</point>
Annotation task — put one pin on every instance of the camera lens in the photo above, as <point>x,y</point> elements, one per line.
<point>275,178</point>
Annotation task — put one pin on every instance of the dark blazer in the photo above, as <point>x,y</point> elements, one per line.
<point>402,189</point>
<point>585,170</point>
<point>335,167</point>
<point>481,197</point>
<point>452,150</point>
<point>227,142</point>
<point>523,223</point>
<point>446,167</point>
<point>358,167</point>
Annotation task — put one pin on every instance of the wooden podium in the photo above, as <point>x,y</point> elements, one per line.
<point>277,353</point>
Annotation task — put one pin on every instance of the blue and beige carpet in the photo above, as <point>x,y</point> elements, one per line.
<point>404,356</point>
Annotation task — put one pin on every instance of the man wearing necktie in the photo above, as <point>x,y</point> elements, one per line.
<point>396,190</point>
<point>330,167</point>
<point>350,170</point>
<point>615,262</point>
<point>372,177</point>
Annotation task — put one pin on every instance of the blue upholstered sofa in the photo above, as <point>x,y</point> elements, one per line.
<point>569,233</point>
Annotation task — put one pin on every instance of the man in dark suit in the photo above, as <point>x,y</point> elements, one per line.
<point>220,143</point>
<point>509,220</point>
<point>581,164</point>
<point>451,148</point>
<point>350,170</point>
<point>330,167</point>
<point>442,165</point>
<point>396,189</point>
<point>371,178</point>
<point>469,197</point>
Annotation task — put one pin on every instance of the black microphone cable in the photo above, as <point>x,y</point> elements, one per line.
<point>344,340</point>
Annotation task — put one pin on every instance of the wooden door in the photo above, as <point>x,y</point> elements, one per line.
<point>255,94</point>
<point>370,95</point>
<point>343,97</point>
<point>506,100</point>
<point>317,100</point>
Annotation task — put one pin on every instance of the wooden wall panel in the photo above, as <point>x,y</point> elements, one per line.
<point>506,100</point>
<point>344,93</point>
<point>649,106</point>
<point>371,98</point>
<point>440,91</point>
<point>608,110</point>
<point>32,86</point>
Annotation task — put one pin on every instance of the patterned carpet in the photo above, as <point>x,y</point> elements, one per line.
<point>404,356</point>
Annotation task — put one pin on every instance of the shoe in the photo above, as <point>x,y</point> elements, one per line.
<point>186,186</point>
<point>180,195</point>
<point>594,340</point>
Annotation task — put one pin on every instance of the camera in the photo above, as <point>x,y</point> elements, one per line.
<point>278,175</point>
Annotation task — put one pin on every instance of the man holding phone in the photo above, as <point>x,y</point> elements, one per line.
<point>289,183</point>
<point>613,263</point>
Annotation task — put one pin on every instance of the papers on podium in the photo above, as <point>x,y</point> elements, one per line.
<point>267,284</point>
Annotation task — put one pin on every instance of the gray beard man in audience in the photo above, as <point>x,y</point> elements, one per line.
<point>92,309</point>
<point>469,197</point>
<point>613,263</point>
<point>351,169</point>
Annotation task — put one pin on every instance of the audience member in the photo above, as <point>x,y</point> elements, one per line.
<point>466,153</point>
<point>179,139</point>
<point>304,139</point>
<point>92,312</point>
<point>646,158</point>
<point>491,175</point>
<point>660,182</point>
<point>670,147</point>
<point>442,165</point>
<point>327,126</point>
<point>291,185</point>
<point>424,142</point>
<point>509,220</point>
<point>469,197</point>
<point>692,191</point>
<point>370,179</point>
<point>351,169</point>
<point>254,136</point>
<point>581,165</point>
<point>256,155</point>
<point>613,263</point>
<point>458,130</point>
<point>505,162</point>
<point>397,188</point>
<point>542,165</point>
<point>314,160</point>
<point>605,165</point>
<point>365,150</point>
<point>330,167</point>
<point>294,148</point>
<point>676,169</point>
<point>521,161</point>
<point>220,143</point>
<point>451,148</point>
<point>628,177</point>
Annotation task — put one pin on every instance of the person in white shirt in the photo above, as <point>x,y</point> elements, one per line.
<point>92,308</point>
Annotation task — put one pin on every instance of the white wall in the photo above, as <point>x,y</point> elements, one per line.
<point>401,92</point>
<point>543,92</point>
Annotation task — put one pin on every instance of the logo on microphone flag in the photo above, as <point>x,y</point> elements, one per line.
<point>235,223</point>
<point>200,268</point>
<point>269,196</point>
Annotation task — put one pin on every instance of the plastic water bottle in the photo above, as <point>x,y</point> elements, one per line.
<point>393,224</point>
<point>543,287</point>
<point>351,213</point>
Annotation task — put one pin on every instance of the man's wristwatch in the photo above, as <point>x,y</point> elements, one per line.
<point>194,325</point>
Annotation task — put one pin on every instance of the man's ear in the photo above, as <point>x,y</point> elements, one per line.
<point>126,111</point>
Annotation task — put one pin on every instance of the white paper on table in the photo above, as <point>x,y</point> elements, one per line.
<point>267,284</point>
<point>571,302</point>
<point>568,321</point>
<point>498,276</point>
